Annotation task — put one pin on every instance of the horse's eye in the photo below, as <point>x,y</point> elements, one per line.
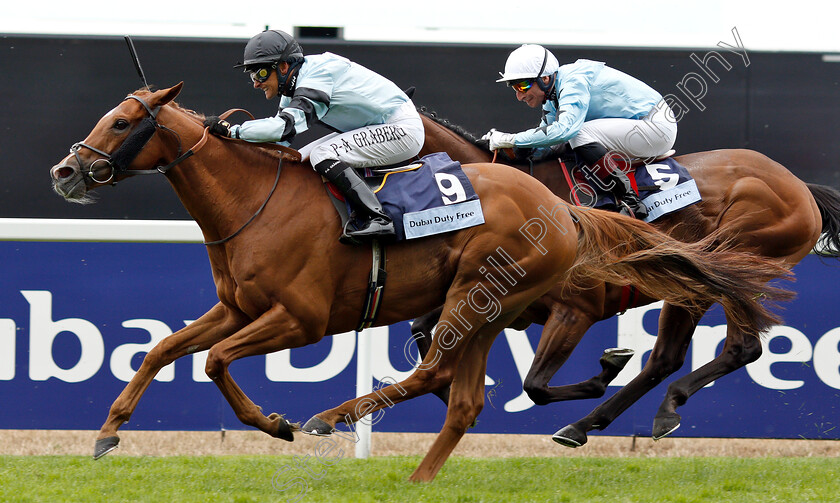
<point>121,124</point>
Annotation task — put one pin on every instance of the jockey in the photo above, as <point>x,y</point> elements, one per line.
<point>604,114</point>
<point>377,122</point>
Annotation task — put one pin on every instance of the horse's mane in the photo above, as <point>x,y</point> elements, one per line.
<point>143,91</point>
<point>521,155</point>
<point>199,117</point>
<point>455,128</point>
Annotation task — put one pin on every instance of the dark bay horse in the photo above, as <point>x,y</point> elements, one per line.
<point>756,202</point>
<point>284,281</point>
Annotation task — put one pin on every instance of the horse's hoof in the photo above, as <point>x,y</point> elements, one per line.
<point>284,429</point>
<point>316,426</point>
<point>104,446</point>
<point>665,424</point>
<point>616,358</point>
<point>570,436</point>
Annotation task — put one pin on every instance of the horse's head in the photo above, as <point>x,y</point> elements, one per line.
<point>123,143</point>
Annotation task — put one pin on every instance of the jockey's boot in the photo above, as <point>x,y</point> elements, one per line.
<point>628,201</point>
<point>611,174</point>
<point>377,224</point>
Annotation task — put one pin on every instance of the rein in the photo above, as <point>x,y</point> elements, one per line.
<point>569,181</point>
<point>120,159</point>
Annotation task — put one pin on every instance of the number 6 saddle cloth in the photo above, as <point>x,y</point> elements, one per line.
<point>431,196</point>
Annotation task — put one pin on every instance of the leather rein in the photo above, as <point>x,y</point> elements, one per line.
<point>119,160</point>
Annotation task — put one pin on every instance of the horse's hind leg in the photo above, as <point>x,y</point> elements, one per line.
<point>562,332</point>
<point>453,333</point>
<point>738,350</point>
<point>199,335</point>
<point>676,327</point>
<point>434,373</point>
<point>465,403</point>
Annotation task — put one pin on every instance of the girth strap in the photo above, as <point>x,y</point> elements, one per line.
<point>376,287</point>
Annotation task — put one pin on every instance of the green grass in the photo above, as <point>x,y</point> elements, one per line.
<point>249,479</point>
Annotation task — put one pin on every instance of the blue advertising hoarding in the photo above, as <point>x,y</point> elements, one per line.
<point>76,320</point>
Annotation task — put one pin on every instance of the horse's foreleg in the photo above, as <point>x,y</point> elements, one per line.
<point>466,402</point>
<point>275,330</point>
<point>676,326</point>
<point>738,350</point>
<point>199,335</point>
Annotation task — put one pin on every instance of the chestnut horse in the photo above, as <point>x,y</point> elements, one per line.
<point>284,281</point>
<point>756,202</point>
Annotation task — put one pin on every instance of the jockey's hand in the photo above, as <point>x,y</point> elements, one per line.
<point>219,127</point>
<point>499,140</point>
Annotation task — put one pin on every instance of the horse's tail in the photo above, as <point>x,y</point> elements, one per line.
<point>828,201</point>
<point>622,250</point>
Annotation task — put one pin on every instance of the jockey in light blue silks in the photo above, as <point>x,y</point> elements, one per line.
<point>598,110</point>
<point>377,122</point>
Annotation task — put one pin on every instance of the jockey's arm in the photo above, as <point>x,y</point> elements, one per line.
<point>560,123</point>
<point>310,102</point>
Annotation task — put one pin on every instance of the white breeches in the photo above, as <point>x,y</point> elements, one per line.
<point>399,139</point>
<point>648,137</point>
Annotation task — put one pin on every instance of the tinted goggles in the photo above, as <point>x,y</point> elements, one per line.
<point>260,74</point>
<point>522,85</point>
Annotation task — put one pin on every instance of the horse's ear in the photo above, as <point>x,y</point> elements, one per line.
<point>166,95</point>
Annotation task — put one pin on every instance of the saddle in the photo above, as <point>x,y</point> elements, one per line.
<point>664,186</point>
<point>374,178</point>
<point>428,197</point>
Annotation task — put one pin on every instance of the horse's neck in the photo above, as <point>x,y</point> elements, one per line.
<point>224,184</point>
<point>441,139</point>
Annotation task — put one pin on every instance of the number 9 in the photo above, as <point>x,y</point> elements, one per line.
<point>450,187</point>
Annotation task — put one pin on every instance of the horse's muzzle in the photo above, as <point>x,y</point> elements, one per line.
<point>68,182</point>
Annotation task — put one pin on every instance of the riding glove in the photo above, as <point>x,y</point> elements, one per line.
<point>498,139</point>
<point>217,126</point>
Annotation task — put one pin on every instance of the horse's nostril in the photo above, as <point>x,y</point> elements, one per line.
<point>62,172</point>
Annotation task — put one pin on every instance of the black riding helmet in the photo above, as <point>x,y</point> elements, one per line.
<point>270,48</point>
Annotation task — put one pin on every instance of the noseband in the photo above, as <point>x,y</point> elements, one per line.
<point>120,159</point>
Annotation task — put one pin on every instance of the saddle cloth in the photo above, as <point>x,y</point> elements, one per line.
<point>432,196</point>
<point>664,186</point>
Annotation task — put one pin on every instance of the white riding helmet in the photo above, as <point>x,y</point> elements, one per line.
<point>529,62</point>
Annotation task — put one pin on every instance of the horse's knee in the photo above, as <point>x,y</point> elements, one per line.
<point>748,351</point>
<point>461,414</point>
<point>435,379</point>
<point>663,366</point>
<point>158,357</point>
<point>214,365</point>
<point>537,391</point>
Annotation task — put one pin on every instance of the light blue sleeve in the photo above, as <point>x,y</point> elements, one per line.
<point>270,129</point>
<point>566,121</point>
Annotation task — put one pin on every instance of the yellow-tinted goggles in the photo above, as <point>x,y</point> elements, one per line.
<point>522,85</point>
<point>261,75</point>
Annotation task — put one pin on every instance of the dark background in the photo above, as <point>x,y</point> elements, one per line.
<point>54,89</point>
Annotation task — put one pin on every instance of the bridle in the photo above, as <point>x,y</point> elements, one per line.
<point>120,159</point>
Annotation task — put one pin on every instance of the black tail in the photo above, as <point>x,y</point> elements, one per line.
<point>828,201</point>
